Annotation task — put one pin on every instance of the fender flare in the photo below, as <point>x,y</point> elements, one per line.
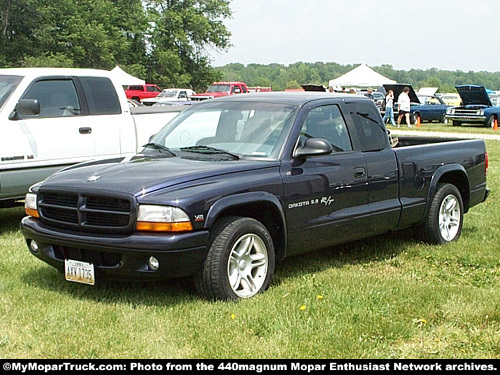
<point>241,199</point>
<point>436,178</point>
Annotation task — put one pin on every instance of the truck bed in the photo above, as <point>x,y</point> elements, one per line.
<point>418,160</point>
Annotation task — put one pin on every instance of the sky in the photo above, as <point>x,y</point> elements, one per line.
<point>407,34</point>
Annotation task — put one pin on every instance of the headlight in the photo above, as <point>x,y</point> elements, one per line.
<point>449,111</point>
<point>480,112</point>
<point>30,205</point>
<point>162,219</point>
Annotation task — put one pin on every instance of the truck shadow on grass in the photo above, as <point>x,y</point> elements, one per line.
<point>380,248</point>
<point>157,293</point>
<point>10,218</point>
<point>181,290</point>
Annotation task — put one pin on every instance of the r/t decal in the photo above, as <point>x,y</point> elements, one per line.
<point>327,201</point>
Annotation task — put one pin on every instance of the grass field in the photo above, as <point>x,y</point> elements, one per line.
<point>440,127</point>
<point>386,297</point>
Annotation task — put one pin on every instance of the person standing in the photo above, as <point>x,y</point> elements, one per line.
<point>404,106</point>
<point>389,108</point>
<point>369,94</point>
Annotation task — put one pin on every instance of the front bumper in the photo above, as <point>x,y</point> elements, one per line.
<point>119,256</point>
<point>466,118</point>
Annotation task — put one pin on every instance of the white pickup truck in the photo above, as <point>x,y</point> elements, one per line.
<point>51,118</point>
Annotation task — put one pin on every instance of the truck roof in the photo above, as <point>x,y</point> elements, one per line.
<point>229,83</point>
<point>33,72</point>
<point>295,98</point>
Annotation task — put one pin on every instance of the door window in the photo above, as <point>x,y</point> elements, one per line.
<point>327,122</point>
<point>57,98</point>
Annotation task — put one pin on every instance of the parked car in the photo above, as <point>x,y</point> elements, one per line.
<point>170,95</point>
<point>432,108</point>
<point>232,185</point>
<point>477,107</point>
<point>218,89</point>
<point>378,98</point>
<point>51,118</point>
<point>140,92</point>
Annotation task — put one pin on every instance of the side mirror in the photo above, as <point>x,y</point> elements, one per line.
<point>314,147</point>
<point>25,107</point>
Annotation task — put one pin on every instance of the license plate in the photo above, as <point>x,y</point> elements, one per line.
<point>79,272</point>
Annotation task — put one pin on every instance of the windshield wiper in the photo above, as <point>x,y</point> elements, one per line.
<point>158,147</point>
<point>209,150</point>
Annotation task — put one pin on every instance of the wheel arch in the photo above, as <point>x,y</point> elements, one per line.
<point>491,119</point>
<point>261,206</point>
<point>454,174</point>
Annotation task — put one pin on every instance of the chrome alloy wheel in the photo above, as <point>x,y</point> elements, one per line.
<point>449,217</point>
<point>247,266</point>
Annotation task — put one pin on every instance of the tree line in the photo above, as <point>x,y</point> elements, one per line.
<point>281,77</point>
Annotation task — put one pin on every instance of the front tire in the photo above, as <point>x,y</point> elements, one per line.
<point>444,221</point>
<point>417,118</point>
<point>240,261</point>
<point>491,122</point>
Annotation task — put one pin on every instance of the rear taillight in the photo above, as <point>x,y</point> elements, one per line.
<point>485,163</point>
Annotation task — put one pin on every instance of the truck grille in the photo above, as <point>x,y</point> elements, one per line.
<point>87,212</point>
<point>463,111</point>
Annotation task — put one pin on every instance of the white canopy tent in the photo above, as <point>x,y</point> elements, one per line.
<point>124,78</point>
<point>361,76</point>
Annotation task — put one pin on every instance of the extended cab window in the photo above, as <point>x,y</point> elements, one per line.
<point>57,97</point>
<point>101,95</point>
<point>327,122</point>
<point>372,135</point>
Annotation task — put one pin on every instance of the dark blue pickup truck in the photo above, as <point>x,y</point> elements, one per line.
<point>232,185</point>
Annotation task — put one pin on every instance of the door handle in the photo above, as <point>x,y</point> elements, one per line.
<point>85,130</point>
<point>359,172</point>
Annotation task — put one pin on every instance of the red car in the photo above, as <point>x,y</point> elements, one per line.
<point>139,92</point>
<point>218,89</point>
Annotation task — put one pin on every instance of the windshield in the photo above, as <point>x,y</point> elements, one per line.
<point>7,85</point>
<point>218,88</point>
<point>252,129</point>
<point>167,94</point>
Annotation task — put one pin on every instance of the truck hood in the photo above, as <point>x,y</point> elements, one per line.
<point>398,89</point>
<point>141,175</point>
<point>473,95</point>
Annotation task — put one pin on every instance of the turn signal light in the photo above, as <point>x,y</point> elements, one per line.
<point>164,227</point>
<point>31,212</point>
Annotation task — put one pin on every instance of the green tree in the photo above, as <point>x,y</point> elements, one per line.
<point>181,34</point>
<point>162,41</point>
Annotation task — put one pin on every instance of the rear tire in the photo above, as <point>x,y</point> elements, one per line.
<point>444,221</point>
<point>240,261</point>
